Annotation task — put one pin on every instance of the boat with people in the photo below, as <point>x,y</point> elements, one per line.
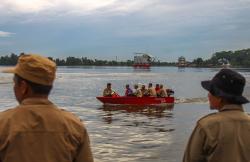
<point>130,100</point>
<point>140,96</point>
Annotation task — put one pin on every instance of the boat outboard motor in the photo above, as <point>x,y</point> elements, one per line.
<point>170,92</point>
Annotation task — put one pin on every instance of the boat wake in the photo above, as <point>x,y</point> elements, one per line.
<point>199,100</point>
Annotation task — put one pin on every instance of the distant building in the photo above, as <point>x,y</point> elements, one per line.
<point>182,62</point>
<point>224,63</point>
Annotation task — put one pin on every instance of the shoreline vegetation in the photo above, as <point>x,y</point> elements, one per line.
<point>239,58</point>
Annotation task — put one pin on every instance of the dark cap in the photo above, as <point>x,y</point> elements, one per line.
<point>227,84</point>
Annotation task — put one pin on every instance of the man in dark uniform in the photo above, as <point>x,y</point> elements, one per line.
<point>37,130</point>
<point>222,136</point>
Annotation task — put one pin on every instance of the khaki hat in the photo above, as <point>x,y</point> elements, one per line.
<point>34,68</point>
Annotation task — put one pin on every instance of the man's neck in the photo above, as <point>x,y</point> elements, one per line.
<point>35,96</point>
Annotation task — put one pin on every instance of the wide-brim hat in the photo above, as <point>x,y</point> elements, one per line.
<point>34,68</point>
<point>227,84</point>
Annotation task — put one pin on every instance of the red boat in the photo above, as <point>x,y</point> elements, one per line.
<point>146,66</point>
<point>124,100</point>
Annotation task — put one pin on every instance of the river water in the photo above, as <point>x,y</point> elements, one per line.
<point>134,134</point>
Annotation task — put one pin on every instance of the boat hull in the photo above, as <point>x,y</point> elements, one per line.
<point>136,100</point>
<point>141,65</point>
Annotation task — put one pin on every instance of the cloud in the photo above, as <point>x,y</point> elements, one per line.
<point>166,11</point>
<point>36,6</point>
<point>28,11</point>
<point>80,7</point>
<point>5,34</point>
<point>159,25</point>
<point>83,6</point>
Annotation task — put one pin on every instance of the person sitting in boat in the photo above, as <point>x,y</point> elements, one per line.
<point>151,90</point>
<point>157,89</point>
<point>108,92</point>
<point>162,92</point>
<point>144,91</point>
<point>128,91</point>
<point>137,92</point>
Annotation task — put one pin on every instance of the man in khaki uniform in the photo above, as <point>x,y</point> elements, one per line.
<point>162,91</point>
<point>222,136</point>
<point>144,91</point>
<point>108,92</point>
<point>151,90</point>
<point>137,91</point>
<point>37,130</point>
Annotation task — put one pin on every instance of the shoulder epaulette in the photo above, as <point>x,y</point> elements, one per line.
<point>208,115</point>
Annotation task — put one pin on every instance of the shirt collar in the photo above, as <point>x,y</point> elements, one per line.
<point>36,101</point>
<point>232,107</point>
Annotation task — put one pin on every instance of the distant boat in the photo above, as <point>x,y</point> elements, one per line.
<point>224,63</point>
<point>182,62</point>
<point>142,60</point>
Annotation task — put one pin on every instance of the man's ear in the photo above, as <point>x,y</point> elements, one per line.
<point>219,101</point>
<point>24,87</point>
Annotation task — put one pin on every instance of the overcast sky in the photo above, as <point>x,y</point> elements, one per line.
<point>105,29</point>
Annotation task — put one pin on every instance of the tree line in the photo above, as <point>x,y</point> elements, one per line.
<point>239,58</point>
<point>69,61</point>
<point>79,61</point>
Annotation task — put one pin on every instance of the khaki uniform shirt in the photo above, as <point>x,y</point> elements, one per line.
<point>162,93</point>
<point>37,131</point>
<point>138,93</point>
<point>107,92</point>
<point>221,137</point>
<point>152,91</point>
<point>144,92</point>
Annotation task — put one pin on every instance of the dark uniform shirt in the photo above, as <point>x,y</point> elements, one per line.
<point>128,92</point>
<point>37,131</point>
<point>221,137</point>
